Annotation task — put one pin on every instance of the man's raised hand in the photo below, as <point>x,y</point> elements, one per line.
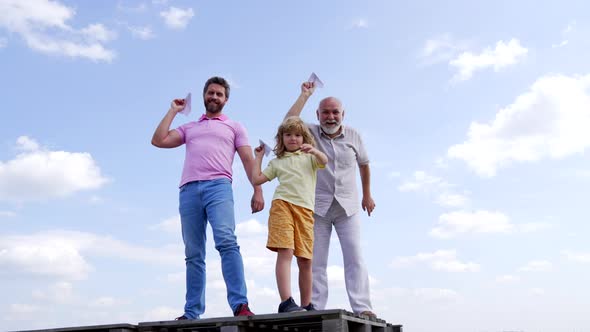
<point>307,88</point>
<point>177,105</point>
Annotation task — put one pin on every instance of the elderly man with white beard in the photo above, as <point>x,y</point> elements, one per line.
<point>336,203</point>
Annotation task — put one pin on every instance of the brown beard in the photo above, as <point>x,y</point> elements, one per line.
<point>212,107</point>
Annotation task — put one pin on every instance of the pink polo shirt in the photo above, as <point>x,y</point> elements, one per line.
<point>210,147</point>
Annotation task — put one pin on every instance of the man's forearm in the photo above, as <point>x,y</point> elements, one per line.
<point>365,173</point>
<point>297,107</point>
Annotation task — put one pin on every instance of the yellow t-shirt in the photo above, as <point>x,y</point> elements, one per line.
<point>296,172</point>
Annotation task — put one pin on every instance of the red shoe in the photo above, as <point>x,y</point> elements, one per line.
<point>243,310</point>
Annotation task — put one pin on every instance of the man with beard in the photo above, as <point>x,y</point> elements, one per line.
<point>336,202</point>
<point>206,194</point>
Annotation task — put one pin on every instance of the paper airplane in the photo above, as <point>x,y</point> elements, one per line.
<point>315,79</point>
<point>187,105</point>
<point>267,148</point>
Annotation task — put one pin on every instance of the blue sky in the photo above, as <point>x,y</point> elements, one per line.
<point>475,115</point>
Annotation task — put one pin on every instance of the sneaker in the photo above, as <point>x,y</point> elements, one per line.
<point>369,314</point>
<point>243,310</point>
<point>183,317</point>
<point>289,305</point>
<point>310,307</point>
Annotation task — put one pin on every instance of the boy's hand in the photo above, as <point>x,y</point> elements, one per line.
<point>307,148</point>
<point>259,151</point>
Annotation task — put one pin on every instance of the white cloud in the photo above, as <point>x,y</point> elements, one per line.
<point>423,182</point>
<point>549,121</point>
<point>141,7</point>
<point>426,183</point>
<point>106,302</point>
<point>503,55</point>
<point>335,273</point>
<point>98,32</point>
<point>393,175</point>
<point>177,18</point>
<point>434,45</point>
<point>534,227</point>
<point>441,49</point>
<point>393,298</point>
<point>252,236</point>
<point>250,227</point>
<point>24,143</point>
<point>160,313</point>
<point>436,294</point>
<point>63,254</point>
<point>463,222</point>
<point>582,173</point>
<point>507,278</point>
<point>178,277</point>
<point>95,199</point>
<point>43,26</point>
<point>143,33</point>
<point>440,260</point>
<point>47,257</point>
<point>537,266</point>
<point>170,225</point>
<point>565,35</point>
<point>561,44</point>
<point>60,292</point>
<point>441,163</point>
<point>23,309</point>
<point>262,293</point>
<point>537,291</point>
<point>3,42</point>
<point>451,200</point>
<point>579,257</point>
<point>38,174</point>
<point>360,23</point>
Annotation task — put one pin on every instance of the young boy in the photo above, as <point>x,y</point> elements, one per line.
<point>290,222</point>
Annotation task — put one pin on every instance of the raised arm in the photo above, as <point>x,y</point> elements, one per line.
<point>367,203</point>
<point>257,201</point>
<point>257,177</point>
<point>164,137</point>
<point>307,89</point>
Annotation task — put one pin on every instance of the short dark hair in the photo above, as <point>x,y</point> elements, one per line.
<point>217,80</point>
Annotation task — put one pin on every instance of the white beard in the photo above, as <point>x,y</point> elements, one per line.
<point>331,130</point>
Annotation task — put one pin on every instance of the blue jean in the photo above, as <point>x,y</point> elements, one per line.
<point>202,201</point>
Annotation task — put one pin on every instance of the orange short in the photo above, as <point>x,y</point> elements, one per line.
<point>290,227</point>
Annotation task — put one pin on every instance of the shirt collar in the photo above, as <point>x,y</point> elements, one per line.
<point>294,153</point>
<point>222,117</point>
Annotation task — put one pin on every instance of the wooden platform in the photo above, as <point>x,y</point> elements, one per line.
<point>315,321</point>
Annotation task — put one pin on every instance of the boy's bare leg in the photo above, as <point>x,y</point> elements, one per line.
<point>283,272</point>
<point>304,280</point>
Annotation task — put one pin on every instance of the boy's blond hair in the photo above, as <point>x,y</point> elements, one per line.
<point>292,124</point>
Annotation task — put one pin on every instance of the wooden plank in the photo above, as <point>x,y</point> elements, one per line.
<point>334,325</point>
<point>334,320</point>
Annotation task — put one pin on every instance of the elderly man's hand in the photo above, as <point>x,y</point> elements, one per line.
<point>368,204</point>
<point>307,88</point>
